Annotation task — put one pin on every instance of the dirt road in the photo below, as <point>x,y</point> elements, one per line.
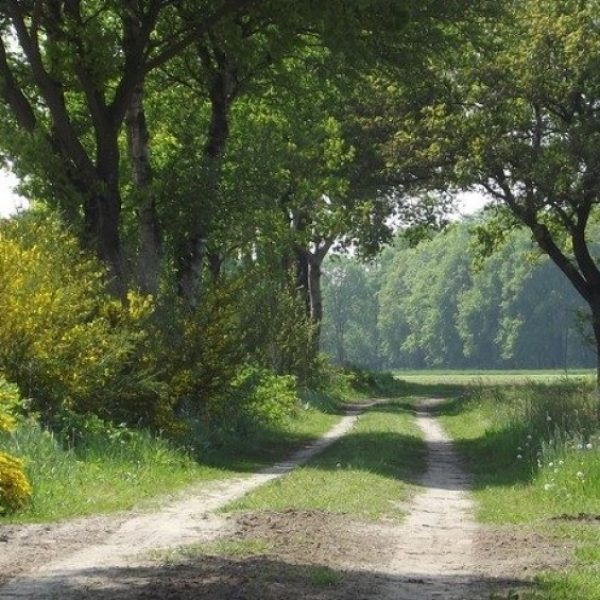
<point>437,552</point>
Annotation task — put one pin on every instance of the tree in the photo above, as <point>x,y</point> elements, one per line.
<point>69,72</point>
<point>519,117</point>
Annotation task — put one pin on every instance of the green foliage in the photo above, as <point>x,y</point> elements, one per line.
<point>444,304</point>
<point>256,398</point>
<point>10,402</point>
<point>109,468</point>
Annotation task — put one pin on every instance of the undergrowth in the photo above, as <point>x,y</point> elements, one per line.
<point>82,465</point>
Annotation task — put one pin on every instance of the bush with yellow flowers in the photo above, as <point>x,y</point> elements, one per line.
<point>15,490</point>
<point>64,339</point>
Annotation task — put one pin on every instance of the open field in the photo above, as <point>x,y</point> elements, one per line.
<point>491,377</point>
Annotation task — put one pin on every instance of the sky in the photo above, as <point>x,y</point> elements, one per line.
<point>9,201</point>
<point>469,202</point>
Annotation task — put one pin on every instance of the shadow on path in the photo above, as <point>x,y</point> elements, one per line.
<point>266,578</point>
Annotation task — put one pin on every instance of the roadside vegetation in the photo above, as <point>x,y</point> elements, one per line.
<point>88,466</point>
<point>534,451</point>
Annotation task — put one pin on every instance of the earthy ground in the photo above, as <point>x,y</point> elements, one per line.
<point>438,551</point>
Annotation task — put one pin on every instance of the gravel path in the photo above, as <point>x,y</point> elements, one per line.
<point>179,523</point>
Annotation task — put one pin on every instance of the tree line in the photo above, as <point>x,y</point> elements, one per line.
<point>210,154</point>
<point>449,303</point>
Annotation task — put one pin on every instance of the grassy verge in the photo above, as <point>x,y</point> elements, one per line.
<point>120,468</point>
<point>98,477</point>
<point>534,451</point>
<point>365,473</point>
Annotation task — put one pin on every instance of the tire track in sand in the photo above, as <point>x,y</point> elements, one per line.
<point>435,557</point>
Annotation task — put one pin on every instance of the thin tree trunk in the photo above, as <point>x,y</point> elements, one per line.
<point>314,292</point>
<point>302,278</point>
<point>190,256</point>
<point>150,252</point>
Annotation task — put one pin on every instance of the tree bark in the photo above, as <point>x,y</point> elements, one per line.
<point>314,291</point>
<point>190,260</point>
<point>309,285</point>
<point>595,307</point>
<point>150,251</point>
<point>101,219</point>
<point>302,278</point>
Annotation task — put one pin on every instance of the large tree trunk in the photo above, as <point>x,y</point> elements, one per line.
<point>190,261</point>
<point>102,212</point>
<point>595,306</point>
<point>102,216</point>
<point>150,251</point>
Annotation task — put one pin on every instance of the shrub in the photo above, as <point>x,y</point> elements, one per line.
<point>10,400</point>
<point>15,490</point>
<point>63,339</point>
<point>257,398</point>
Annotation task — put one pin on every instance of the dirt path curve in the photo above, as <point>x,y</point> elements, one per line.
<point>178,523</point>
<point>436,554</point>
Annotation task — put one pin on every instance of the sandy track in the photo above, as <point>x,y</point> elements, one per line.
<point>179,523</point>
<point>435,556</point>
<point>437,552</point>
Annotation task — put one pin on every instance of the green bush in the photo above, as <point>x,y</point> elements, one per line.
<point>10,402</point>
<point>257,398</point>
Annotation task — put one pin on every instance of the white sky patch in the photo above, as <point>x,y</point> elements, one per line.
<point>10,201</point>
<point>471,202</point>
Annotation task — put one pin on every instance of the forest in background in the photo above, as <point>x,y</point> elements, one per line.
<point>445,303</point>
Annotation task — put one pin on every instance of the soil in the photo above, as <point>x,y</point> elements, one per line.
<point>438,551</point>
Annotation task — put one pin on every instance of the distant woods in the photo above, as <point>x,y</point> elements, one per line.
<point>442,304</point>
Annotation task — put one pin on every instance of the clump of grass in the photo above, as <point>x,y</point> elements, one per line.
<point>324,576</point>
<point>367,473</point>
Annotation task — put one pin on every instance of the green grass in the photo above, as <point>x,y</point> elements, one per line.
<point>100,478</point>
<point>534,451</point>
<point>366,473</point>
<point>111,473</point>
<point>323,576</point>
<point>454,377</point>
<point>122,469</point>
